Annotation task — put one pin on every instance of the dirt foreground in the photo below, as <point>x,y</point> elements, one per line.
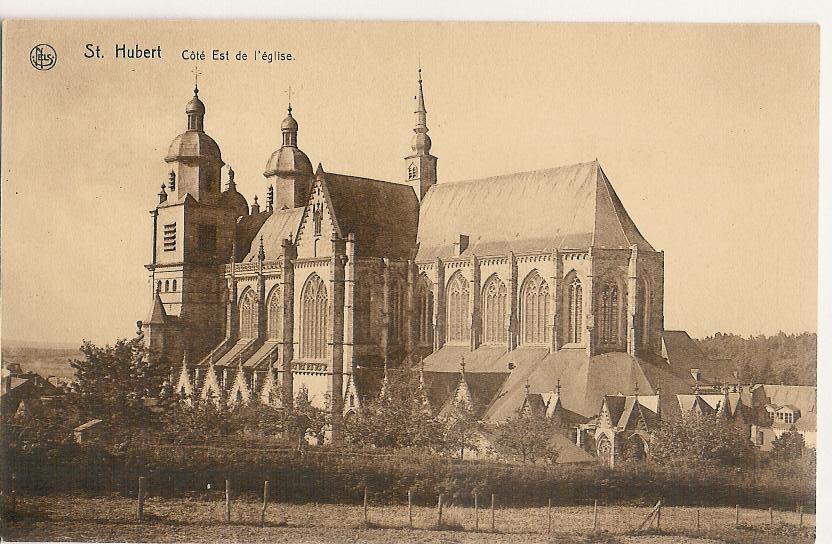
<point>113,519</point>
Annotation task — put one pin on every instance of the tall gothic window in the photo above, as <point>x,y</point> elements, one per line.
<point>248,315</point>
<point>608,318</point>
<point>574,302</point>
<point>458,321</point>
<point>494,311</point>
<point>275,314</point>
<point>397,311</point>
<point>424,310</point>
<point>643,317</point>
<point>411,171</point>
<point>534,310</point>
<point>313,318</point>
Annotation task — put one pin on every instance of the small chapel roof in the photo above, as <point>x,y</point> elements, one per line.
<point>569,207</point>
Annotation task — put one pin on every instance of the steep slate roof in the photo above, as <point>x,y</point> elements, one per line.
<point>157,315</point>
<point>441,387</point>
<point>274,228</point>
<point>585,381</point>
<point>803,397</point>
<point>383,215</point>
<point>683,354</point>
<point>570,207</point>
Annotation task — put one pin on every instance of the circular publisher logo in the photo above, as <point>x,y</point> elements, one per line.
<point>43,56</point>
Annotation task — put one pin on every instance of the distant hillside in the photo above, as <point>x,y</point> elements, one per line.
<point>41,358</point>
<point>784,358</point>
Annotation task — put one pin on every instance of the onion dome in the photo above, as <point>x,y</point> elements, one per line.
<point>420,143</point>
<point>289,123</point>
<point>289,159</point>
<point>194,144</point>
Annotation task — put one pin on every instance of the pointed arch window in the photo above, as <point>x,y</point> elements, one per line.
<point>608,318</point>
<point>534,310</point>
<point>424,311</point>
<point>643,314</point>
<point>317,217</point>
<point>314,310</point>
<point>397,312</point>
<point>412,171</point>
<point>275,314</point>
<point>574,302</point>
<point>458,316</point>
<point>494,296</point>
<point>248,315</point>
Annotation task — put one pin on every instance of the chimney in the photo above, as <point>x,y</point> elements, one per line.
<point>462,244</point>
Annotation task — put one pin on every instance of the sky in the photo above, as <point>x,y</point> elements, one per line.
<point>709,134</point>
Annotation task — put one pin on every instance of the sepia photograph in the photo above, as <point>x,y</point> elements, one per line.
<point>307,281</point>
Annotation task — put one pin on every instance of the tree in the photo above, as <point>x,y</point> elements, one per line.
<point>398,418</point>
<point>708,438</point>
<point>788,446</point>
<point>527,436</point>
<point>112,383</point>
<point>202,420</point>
<point>306,419</point>
<point>462,428</point>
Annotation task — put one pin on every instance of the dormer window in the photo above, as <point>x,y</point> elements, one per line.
<point>412,171</point>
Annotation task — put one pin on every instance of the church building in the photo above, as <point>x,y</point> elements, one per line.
<point>533,278</point>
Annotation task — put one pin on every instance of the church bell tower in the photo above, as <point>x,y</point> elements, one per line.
<point>421,165</point>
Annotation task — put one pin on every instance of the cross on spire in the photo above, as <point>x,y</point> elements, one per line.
<point>196,74</point>
<point>289,91</point>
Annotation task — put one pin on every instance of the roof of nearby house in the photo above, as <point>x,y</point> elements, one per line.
<point>569,207</point>
<point>801,398</point>
<point>683,354</point>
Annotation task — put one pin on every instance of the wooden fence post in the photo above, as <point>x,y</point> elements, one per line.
<point>228,501</point>
<point>13,493</point>
<point>476,513</point>
<point>549,515</point>
<point>659,517</point>
<point>409,508</point>
<point>140,506</point>
<point>265,503</point>
<point>439,512</point>
<point>770,516</point>
<point>365,505</point>
<point>800,510</point>
<point>737,521</point>
<point>595,517</point>
<point>697,521</point>
<point>492,512</point>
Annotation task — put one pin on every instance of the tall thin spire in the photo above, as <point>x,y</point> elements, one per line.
<point>421,112</point>
<point>421,141</point>
<point>421,165</point>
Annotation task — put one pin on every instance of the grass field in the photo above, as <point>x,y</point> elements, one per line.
<point>113,519</point>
